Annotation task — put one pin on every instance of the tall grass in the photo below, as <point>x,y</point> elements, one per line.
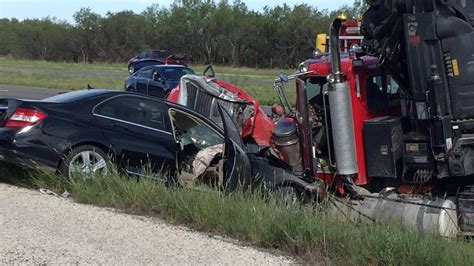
<point>311,233</point>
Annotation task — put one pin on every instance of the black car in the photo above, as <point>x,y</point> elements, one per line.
<point>156,80</point>
<point>88,131</point>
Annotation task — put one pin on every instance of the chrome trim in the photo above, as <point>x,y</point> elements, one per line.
<point>123,121</point>
<point>131,123</point>
<point>353,37</point>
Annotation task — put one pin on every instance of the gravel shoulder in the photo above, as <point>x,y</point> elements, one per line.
<point>37,229</point>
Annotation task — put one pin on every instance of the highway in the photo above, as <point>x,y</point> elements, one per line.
<point>10,91</point>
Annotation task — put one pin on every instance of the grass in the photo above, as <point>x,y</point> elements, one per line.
<point>312,234</point>
<point>74,76</point>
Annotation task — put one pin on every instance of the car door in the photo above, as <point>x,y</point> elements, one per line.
<point>156,85</point>
<point>142,78</point>
<point>237,169</point>
<point>198,138</point>
<point>139,130</point>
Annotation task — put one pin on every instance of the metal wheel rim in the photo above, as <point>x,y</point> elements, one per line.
<point>87,163</point>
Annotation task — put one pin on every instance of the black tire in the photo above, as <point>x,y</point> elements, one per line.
<point>88,160</point>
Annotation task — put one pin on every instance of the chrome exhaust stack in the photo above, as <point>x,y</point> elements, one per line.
<point>341,110</point>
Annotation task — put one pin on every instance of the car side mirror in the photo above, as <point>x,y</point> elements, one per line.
<point>283,77</point>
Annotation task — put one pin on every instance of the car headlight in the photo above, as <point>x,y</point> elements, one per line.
<point>303,67</point>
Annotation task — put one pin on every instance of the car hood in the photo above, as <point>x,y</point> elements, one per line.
<point>204,96</point>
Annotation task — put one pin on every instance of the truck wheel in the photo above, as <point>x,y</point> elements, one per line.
<point>85,161</point>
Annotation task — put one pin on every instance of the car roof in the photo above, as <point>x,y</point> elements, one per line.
<point>82,94</point>
<point>170,66</point>
<point>86,93</point>
<point>160,67</point>
<point>76,95</point>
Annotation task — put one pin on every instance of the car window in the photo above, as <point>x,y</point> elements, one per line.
<point>189,130</point>
<point>156,75</point>
<point>137,110</point>
<point>112,108</point>
<point>392,86</point>
<point>313,88</point>
<point>146,73</point>
<point>175,73</point>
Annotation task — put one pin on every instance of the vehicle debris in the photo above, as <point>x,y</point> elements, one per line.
<point>48,191</point>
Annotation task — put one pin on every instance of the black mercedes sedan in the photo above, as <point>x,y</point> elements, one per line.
<point>92,131</point>
<point>156,80</point>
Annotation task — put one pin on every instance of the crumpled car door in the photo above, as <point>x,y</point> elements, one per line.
<point>237,169</point>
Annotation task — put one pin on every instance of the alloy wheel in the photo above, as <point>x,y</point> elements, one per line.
<point>88,164</point>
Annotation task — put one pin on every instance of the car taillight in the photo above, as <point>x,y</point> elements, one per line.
<point>24,117</point>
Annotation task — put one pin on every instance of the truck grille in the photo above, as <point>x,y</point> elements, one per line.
<point>207,105</point>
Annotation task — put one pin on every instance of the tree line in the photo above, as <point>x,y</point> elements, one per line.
<point>207,31</point>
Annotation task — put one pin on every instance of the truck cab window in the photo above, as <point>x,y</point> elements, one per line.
<point>382,93</point>
<point>313,88</point>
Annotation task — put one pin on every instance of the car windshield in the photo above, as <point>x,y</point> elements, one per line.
<point>175,73</point>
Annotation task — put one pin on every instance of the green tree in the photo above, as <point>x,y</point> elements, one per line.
<point>122,35</point>
<point>88,32</point>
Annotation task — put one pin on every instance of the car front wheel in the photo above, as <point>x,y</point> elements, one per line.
<point>85,161</point>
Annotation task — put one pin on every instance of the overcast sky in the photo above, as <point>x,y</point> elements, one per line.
<point>64,9</point>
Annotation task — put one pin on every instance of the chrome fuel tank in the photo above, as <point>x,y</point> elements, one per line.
<point>430,215</point>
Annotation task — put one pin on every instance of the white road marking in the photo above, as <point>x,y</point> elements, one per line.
<point>4,90</point>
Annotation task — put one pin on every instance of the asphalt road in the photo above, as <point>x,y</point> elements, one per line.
<point>27,92</point>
